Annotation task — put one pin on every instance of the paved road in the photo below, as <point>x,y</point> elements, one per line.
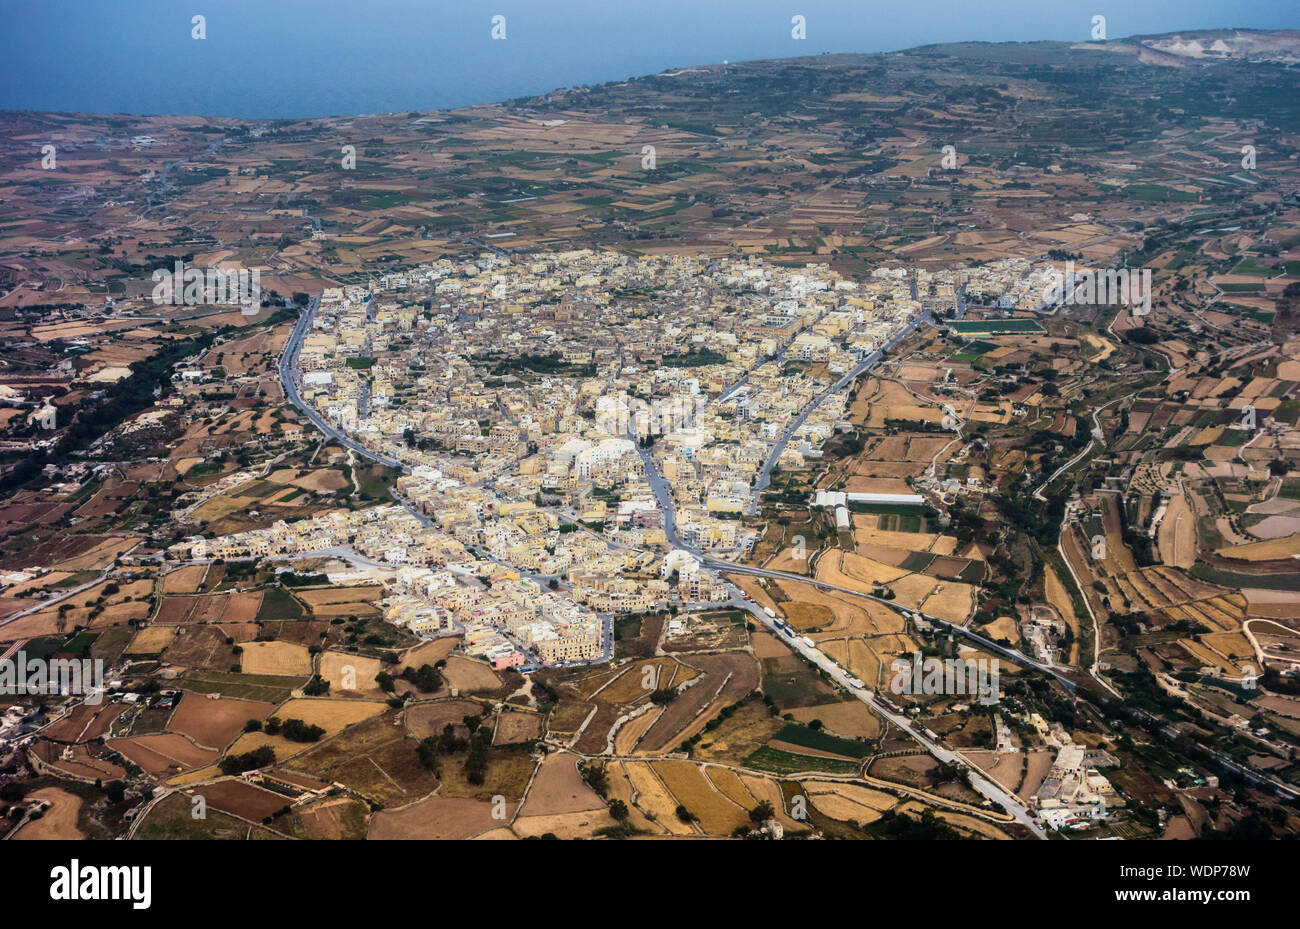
<point>663,492</point>
<point>978,779</point>
<point>765,475</point>
<point>289,378</point>
<point>47,603</point>
<point>663,495</point>
<point>1012,654</point>
<point>1096,425</point>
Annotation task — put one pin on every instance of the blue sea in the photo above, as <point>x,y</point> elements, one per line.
<point>302,58</point>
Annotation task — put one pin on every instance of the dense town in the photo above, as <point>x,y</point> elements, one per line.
<point>844,470</point>
<point>531,465</point>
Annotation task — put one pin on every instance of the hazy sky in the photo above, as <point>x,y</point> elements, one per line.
<point>339,57</point>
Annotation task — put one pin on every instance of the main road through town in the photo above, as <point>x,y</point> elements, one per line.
<point>289,377</point>
<point>865,365</point>
<point>663,496</point>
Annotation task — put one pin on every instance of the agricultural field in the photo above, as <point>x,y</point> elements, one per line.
<point>369,628</point>
<point>171,819</point>
<point>274,658</point>
<point>374,759</point>
<point>215,723</point>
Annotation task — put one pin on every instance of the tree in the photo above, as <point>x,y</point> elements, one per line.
<point>618,810</point>
<point>316,687</point>
<point>12,792</point>
<point>426,679</point>
<point>238,764</point>
<point>427,751</point>
<point>596,777</point>
<point>296,730</point>
<point>477,762</point>
<point>762,813</point>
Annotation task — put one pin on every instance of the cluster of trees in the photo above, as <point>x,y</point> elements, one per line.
<point>282,811</point>
<point>248,761</point>
<point>663,696</point>
<point>431,749</point>
<point>316,687</point>
<point>546,696</point>
<point>12,792</point>
<point>426,679</point>
<point>1288,302</point>
<point>477,763</point>
<point>541,364</point>
<point>295,730</point>
<point>447,742</point>
<point>597,778</point>
<point>432,746</point>
<point>1142,335</point>
<point>693,358</point>
<point>899,826</point>
<point>292,579</point>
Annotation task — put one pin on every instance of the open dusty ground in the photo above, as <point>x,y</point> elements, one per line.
<point>467,675</point>
<point>559,788</point>
<point>59,820</point>
<point>350,674</point>
<point>439,818</point>
<point>428,718</point>
<point>215,723</point>
<point>163,752</point>
<point>330,714</point>
<point>718,814</point>
<point>274,658</point>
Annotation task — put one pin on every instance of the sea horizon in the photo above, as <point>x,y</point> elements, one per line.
<point>282,59</point>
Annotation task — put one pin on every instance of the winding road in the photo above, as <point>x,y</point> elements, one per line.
<point>663,496</point>
<point>765,475</point>
<point>289,378</point>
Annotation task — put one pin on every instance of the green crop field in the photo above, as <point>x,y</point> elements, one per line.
<point>776,761</point>
<point>994,326</point>
<point>811,738</point>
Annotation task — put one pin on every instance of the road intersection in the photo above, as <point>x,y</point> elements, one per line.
<point>979,780</point>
